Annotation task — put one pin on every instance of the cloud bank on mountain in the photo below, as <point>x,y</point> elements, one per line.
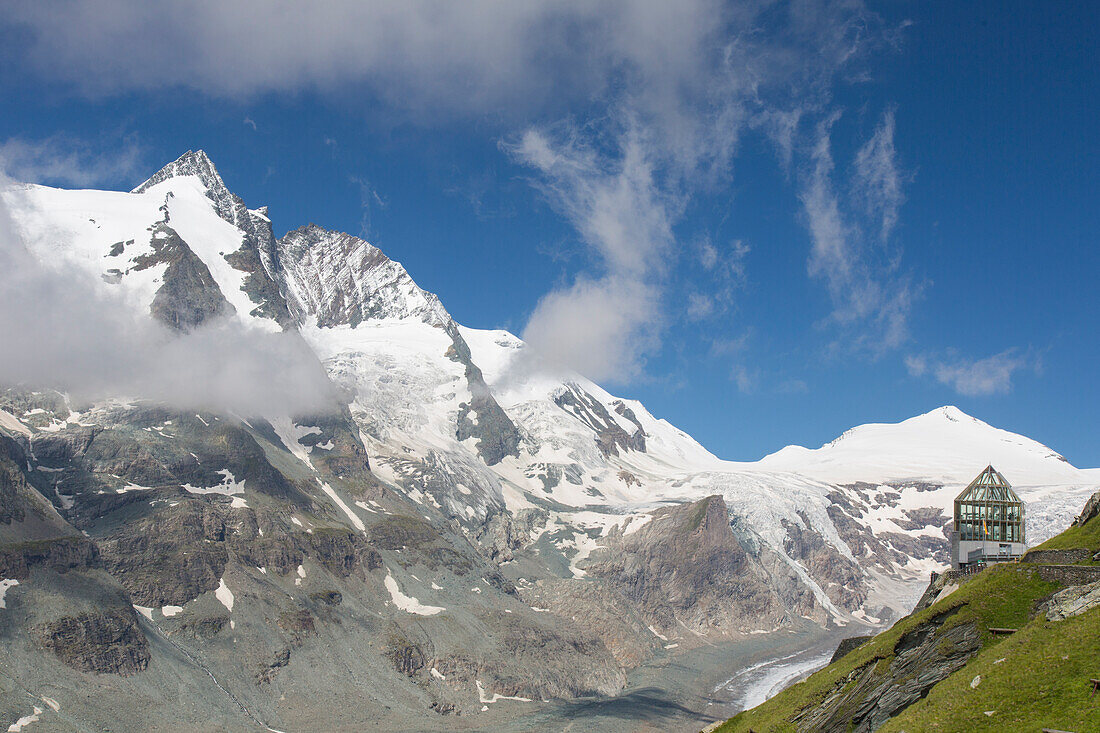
<point>59,331</point>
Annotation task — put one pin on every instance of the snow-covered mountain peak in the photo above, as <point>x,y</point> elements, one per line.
<point>340,279</point>
<point>228,205</point>
<point>943,445</point>
<point>192,163</point>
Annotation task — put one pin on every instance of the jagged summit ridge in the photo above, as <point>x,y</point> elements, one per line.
<point>228,205</point>
<point>340,279</point>
<point>191,163</point>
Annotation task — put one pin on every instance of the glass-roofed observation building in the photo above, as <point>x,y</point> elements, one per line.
<point>989,522</point>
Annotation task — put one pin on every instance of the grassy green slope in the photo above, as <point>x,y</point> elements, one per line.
<point>1037,678</point>
<point>1042,682</point>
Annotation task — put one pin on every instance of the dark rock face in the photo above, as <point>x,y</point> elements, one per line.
<point>686,566</point>
<point>1091,510</point>
<point>206,627</point>
<point>343,455</point>
<point>257,256</point>
<point>496,434</point>
<point>843,577</point>
<point>419,541</point>
<point>169,557</point>
<point>848,645</point>
<point>188,295</point>
<point>407,657</point>
<point>876,692</point>
<point>108,642</point>
<point>342,551</point>
<point>11,479</point>
<point>610,436</point>
<point>59,554</point>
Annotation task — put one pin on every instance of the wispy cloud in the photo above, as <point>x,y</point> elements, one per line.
<point>369,200</point>
<point>61,160</point>
<point>602,325</point>
<point>870,300</point>
<point>973,377</point>
<point>699,78</point>
<point>878,181</point>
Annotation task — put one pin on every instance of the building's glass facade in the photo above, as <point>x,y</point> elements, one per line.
<point>988,509</point>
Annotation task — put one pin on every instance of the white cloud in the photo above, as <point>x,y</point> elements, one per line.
<point>419,54</point>
<point>614,201</point>
<point>596,327</point>
<point>602,325</point>
<point>745,379</point>
<point>98,347</point>
<point>973,377</point>
<point>699,306</point>
<point>878,181</point>
<point>63,160</point>
<point>869,299</point>
<point>916,364</point>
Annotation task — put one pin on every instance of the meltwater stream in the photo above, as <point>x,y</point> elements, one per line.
<point>758,682</point>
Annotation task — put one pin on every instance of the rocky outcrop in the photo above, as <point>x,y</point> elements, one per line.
<point>1073,601</point>
<point>257,256</point>
<point>406,657</point>
<point>271,668</point>
<point>170,556</point>
<point>341,551</point>
<point>686,566</point>
<point>188,295</point>
<point>842,577</point>
<point>1090,511</point>
<point>873,693</point>
<point>340,279</point>
<point>496,434</point>
<point>1058,557</point>
<point>59,554</point>
<point>609,434</point>
<point>600,611</point>
<point>507,532</point>
<point>107,642</point>
<point>849,645</point>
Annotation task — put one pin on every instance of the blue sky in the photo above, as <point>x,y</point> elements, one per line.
<point>769,222</point>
